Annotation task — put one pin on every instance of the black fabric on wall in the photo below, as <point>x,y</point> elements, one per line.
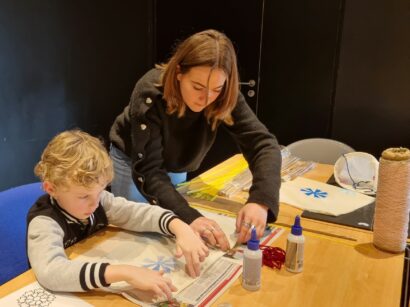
<point>372,105</point>
<point>65,65</point>
<point>239,20</point>
<point>299,64</point>
<point>337,68</point>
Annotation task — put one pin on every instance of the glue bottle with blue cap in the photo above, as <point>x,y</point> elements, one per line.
<point>295,248</point>
<point>252,264</point>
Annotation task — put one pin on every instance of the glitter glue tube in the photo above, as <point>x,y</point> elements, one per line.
<point>294,248</point>
<point>252,264</point>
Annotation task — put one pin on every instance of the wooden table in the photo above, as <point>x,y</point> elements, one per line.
<point>337,271</point>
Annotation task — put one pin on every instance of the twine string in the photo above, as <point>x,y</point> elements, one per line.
<point>391,217</point>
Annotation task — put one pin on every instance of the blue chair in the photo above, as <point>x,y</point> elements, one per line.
<point>14,205</point>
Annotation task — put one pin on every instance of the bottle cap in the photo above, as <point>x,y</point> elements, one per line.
<point>296,228</point>
<point>253,243</point>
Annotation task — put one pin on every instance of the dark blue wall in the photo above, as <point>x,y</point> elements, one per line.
<point>65,64</point>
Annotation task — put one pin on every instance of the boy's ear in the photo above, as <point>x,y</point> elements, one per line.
<point>49,188</point>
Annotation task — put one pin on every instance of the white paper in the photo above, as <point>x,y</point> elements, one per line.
<point>212,282</point>
<point>206,288</point>
<point>156,252</point>
<point>36,296</point>
<point>152,251</point>
<point>322,198</point>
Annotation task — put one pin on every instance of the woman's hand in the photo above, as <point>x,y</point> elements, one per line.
<point>211,232</point>
<point>150,284</point>
<point>190,245</point>
<point>252,214</point>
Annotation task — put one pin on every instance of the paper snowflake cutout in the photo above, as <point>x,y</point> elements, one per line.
<point>36,297</point>
<point>165,264</point>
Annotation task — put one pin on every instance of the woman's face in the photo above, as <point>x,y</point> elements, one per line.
<point>200,86</point>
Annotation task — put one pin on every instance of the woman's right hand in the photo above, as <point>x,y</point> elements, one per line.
<point>152,283</point>
<point>211,232</point>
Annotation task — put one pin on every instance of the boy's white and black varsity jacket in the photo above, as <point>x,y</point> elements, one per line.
<point>51,229</point>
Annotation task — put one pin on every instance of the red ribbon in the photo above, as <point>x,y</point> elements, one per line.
<point>273,257</point>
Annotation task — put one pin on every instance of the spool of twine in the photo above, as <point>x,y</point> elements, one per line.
<point>391,216</point>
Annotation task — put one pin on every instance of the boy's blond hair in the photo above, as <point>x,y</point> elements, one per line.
<point>75,157</point>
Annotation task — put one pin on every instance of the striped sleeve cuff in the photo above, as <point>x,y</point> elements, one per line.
<point>164,221</point>
<point>92,276</point>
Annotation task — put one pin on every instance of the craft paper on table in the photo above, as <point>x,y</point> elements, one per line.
<point>219,275</point>
<point>35,295</point>
<point>205,289</point>
<point>156,252</point>
<point>151,251</point>
<point>322,198</point>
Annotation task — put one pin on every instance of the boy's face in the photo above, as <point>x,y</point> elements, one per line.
<point>78,201</point>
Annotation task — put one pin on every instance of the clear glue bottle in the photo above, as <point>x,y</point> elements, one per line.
<point>294,248</point>
<point>252,264</point>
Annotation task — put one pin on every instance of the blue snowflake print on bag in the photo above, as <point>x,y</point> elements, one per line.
<point>317,193</point>
<point>162,263</point>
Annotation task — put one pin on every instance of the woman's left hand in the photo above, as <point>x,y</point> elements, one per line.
<point>252,214</point>
<point>210,231</point>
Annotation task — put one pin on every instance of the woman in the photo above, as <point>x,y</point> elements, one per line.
<point>170,124</point>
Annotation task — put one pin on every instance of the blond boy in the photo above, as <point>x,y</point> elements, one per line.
<point>75,170</point>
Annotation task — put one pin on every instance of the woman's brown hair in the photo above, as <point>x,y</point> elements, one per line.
<point>207,48</point>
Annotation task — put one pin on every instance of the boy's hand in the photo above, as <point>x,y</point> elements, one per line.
<point>211,231</point>
<point>190,245</point>
<point>151,284</point>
